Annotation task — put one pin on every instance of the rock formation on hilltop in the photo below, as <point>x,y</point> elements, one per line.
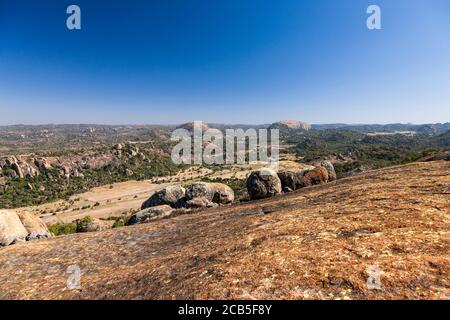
<point>190,126</point>
<point>290,124</point>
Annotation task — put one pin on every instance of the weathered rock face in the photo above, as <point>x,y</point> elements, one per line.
<point>171,195</point>
<point>11,228</point>
<point>150,214</point>
<point>200,202</point>
<point>35,227</point>
<point>212,192</point>
<point>317,176</point>
<point>330,168</point>
<point>19,167</point>
<point>263,183</point>
<point>288,179</point>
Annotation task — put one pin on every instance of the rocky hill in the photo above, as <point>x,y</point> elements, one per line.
<point>34,179</point>
<point>320,242</point>
<point>290,124</point>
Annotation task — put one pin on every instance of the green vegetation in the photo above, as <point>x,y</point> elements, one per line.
<point>370,151</point>
<point>82,224</point>
<point>119,222</point>
<point>63,228</point>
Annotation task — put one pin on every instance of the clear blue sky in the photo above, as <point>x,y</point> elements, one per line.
<point>229,61</point>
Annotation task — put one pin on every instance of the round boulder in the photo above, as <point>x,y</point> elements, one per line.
<point>317,176</point>
<point>36,228</point>
<point>263,183</point>
<point>171,195</point>
<point>11,228</point>
<point>288,179</point>
<point>330,168</point>
<point>213,192</point>
<point>149,214</point>
<point>200,202</point>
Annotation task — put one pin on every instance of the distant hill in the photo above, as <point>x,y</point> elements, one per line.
<point>434,129</point>
<point>290,125</point>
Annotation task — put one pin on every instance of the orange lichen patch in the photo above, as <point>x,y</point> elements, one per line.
<point>316,243</point>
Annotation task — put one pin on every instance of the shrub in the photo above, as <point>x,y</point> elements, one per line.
<point>63,228</point>
<point>81,224</point>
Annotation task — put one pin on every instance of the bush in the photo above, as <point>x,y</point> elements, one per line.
<point>119,223</point>
<point>81,224</point>
<point>63,228</point>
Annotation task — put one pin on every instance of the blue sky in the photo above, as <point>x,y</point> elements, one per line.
<point>246,61</point>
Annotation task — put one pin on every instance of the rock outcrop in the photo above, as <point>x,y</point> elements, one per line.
<point>197,195</point>
<point>212,192</point>
<point>21,226</point>
<point>290,124</point>
<point>330,169</point>
<point>317,176</point>
<point>19,167</point>
<point>11,228</point>
<point>266,185</point>
<point>289,180</point>
<point>150,214</point>
<point>200,202</point>
<point>171,195</point>
<point>263,183</point>
<point>35,227</point>
<point>333,236</point>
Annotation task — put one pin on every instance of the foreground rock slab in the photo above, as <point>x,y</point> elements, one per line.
<point>321,242</point>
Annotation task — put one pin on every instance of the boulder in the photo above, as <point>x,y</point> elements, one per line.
<point>35,227</point>
<point>151,213</point>
<point>330,168</point>
<point>263,183</point>
<point>301,173</point>
<point>288,179</point>
<point>11,228</point>
<point>213,192</point>
<point>200,202</point>
<point>15,166</point>
<point>317,176</point>
<point>171,195</point>
<point>42,163</point>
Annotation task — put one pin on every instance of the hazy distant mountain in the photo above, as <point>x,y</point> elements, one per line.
<point>435,128</point>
